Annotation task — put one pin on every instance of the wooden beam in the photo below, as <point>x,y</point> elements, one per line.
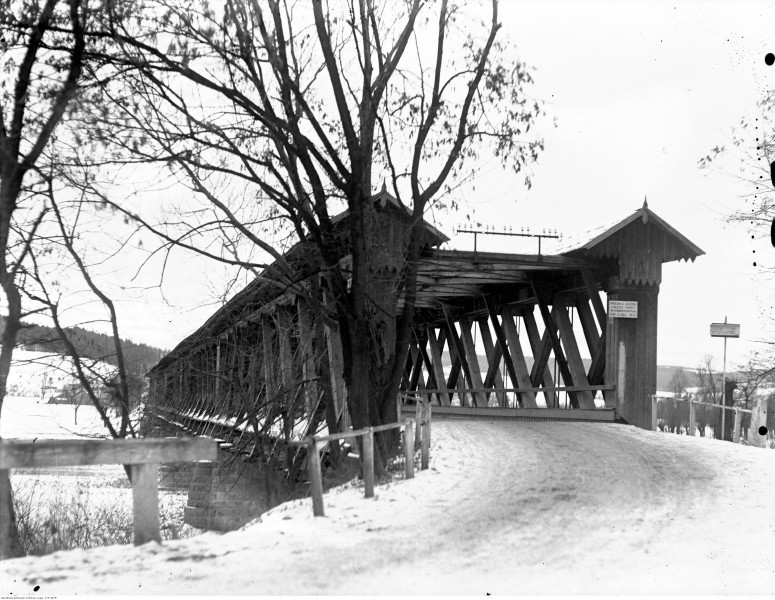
<point>455,359</point>
<point>422,345</point>
<point>560,414</point>
<point>588,325</point>
<point>575,363</point>
<point>336,361</point>
<point>18,454</point>
<point>512,337</point>
<point>480,260</point>
<point>502,343</point>
<point>416,371</point>
<point>595,342</point>
<point>594,296</point>
<point>559,354</point>
<point>267,357</point>
<point>472,361</point>
<point>145,503</point>
<point>541,347</point>
<point>284,327</point>
<point>494,354</point>
<point>307,353</point>
<point>438,369</point>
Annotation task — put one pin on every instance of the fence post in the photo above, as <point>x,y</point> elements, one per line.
<point>692,417</point>
<point>367,462</point>
<point>653,412</point>
<point>419,409</point>
<point>5,516</point>
<point>738,425</point>
<point>315,478</point>
<point>426,437</point>
<point>758,419</point>
<point>409,448</point>
<point>145,503</point>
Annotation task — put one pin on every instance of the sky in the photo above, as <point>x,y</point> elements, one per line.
<point>640,92</point>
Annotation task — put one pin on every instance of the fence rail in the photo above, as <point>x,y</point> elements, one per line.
<point>142,457</point>
<point>313,444</point>
<point>692,417</point>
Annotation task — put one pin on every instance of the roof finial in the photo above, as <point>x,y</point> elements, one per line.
<point>384,185</point>
<point>645,202</point>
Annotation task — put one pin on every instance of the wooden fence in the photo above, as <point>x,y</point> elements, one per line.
<point>314,444</point>
<point>142,456</point>
<point>692,424</point>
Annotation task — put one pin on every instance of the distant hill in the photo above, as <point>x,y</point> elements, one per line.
<point>139,357</point>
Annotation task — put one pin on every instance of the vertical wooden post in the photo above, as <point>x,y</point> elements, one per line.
<point>409,448</point>
<point>145,503</point>
<point>738,425</point>
<point>692,418</point>
<point>308,371</point>
<point>426,438</point>
<point>639,339</point>
<point>418,412</point>
<point>217,398</point>
<point>653,412</point>
<point>758,419</point>
<point>336,361</point>
<point>5,516</point>
<point>315,478</point>
<point>367,462</point>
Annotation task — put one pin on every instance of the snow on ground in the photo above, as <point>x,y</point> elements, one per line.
<point>27,417</point>
<point>507,507</point>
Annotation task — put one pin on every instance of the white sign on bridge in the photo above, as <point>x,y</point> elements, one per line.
<point>623,309</point>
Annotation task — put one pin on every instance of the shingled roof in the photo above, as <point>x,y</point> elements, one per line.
<point>271,287</point>
<point>594,242</point>
<point>640,243</point>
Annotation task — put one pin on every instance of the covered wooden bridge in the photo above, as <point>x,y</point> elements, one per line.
<point>263,362</point>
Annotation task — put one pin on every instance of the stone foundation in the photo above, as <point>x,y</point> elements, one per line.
<point>224,495</point>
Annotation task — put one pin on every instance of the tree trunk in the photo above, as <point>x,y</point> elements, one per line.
<point>10,328</point>
<point>14,543</point>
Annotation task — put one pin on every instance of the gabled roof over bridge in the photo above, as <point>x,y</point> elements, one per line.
<point>641,243</point>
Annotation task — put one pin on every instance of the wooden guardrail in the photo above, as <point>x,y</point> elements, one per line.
<point>314,443</point>
<point>692,422</point>
<point>142,456</point>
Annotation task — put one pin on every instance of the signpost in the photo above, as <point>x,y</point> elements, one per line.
<point>725,330</point>
<point>623,309</point>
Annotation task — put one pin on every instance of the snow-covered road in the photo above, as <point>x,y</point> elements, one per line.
<point>507,507</point>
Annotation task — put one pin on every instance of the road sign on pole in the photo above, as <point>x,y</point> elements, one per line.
<point>725,330</point>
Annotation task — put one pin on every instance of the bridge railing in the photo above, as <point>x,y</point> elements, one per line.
<point>315,443</point>
<point>425,394</point>
<point>143,457</point>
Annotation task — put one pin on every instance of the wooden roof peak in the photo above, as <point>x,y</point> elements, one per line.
<point>592,240</point>
<point>384,199</point>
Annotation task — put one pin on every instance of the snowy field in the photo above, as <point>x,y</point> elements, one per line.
<point>27,417</point>
<point>507,508</point>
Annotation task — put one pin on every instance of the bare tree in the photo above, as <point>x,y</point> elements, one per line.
<point>89,377</point>
<point>42,46</point>
<point>285,113</point>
